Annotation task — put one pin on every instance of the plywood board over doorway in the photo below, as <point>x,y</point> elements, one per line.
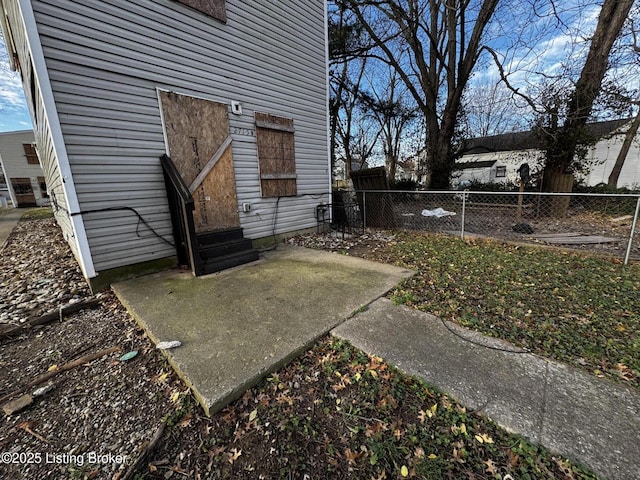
<point>195,129</point>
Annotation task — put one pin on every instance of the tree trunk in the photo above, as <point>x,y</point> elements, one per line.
<point>624,150</point>
<point>556,205</point>
<point>613,15</point>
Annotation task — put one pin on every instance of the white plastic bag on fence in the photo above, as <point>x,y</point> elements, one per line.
<point>438,213</point>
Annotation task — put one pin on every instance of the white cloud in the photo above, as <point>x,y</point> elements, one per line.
<point>14,114</point>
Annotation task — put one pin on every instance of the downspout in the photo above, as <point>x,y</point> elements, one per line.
<point>55,131</point>
<point>327,96</point>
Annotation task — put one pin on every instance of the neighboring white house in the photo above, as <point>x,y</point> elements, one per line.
<point>22,182</point>
<point>234,92</point>
<point>497,158</point>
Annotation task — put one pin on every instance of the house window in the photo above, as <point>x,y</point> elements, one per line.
<point>501,172</point>
<point>30,153</point>
<point>43,187</point>
<point>213,8</point>
<point>276,155</point>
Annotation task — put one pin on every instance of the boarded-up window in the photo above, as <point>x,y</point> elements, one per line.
<point>24,192</point>
<point>213,8</point>
<point>276,155</point>
<point>30,153</point>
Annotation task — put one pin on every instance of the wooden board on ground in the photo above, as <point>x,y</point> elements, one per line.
<point>573,239</point>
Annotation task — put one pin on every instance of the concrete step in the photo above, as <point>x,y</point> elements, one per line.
<point>217,264</point>
<point>220,236</point>
<point>212,251</point>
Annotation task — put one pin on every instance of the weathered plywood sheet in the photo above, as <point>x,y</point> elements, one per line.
<point>276,155</point>
<point>217,208</point>
<point>195,128</point>
<point>213,8</point>
<point>571,239</point>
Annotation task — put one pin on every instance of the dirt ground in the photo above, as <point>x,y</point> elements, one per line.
<point>93,412</point>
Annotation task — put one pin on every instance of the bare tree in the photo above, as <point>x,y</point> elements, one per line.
<point>566,110</point>
<point>346,68</point>
<point>489,109</point>
<point>441,41</point>
<point>561,148</point>
<point>386,102</point>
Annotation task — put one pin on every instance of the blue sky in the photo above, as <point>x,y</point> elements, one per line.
<point>546,52</point>
<point>14,114</point>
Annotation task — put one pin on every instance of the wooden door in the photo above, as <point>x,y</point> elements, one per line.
<point>197,136</point>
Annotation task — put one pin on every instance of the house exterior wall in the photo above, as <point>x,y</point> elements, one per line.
<point>106,61</point>
<point>602,158</point>
<point>25,52</point>
<point>15,165</point>
<point>510,160</point>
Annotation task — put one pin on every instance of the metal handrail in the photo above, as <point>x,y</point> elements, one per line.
<point>181,206</point>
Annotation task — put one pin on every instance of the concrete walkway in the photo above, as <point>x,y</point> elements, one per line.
<point>8,221</point>
<point>590,420</point>
<point>241,324</point>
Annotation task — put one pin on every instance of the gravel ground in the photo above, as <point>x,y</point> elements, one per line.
<point>37,272</point>
<point>95,419</point>
<point>106,406</point>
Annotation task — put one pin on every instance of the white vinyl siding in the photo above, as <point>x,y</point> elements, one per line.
<point>107,58</point>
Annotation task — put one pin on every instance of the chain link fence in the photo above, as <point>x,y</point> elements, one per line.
<point>604,223</point>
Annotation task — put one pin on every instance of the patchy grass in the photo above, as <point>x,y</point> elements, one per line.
<point>567,306</point>
<point>338,413</point>
<point>37,213</point>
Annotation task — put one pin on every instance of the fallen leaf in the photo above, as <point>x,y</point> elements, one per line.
<point>404,471</point>
<point>491,467</point>
<point>234,455</point>
<point>352,456</point>
<point>484,438</point>
<point>52,368</point>
<point>382,476</point>
<point>514,458</point>
<point>186,421</point>
<point>253,415</point>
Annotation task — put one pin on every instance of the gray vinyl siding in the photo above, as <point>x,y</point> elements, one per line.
<point>107,58</point>
<point>41,132</point>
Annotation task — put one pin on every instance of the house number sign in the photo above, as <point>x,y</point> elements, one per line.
<point>247,132</point>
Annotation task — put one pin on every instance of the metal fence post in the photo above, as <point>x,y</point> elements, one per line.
<point>633,231</point>
<point>464,203</point>
<point>364,208</point>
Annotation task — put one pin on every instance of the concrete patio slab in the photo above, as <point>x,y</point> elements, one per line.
<point>241,324</point>
<point>587,419</point>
